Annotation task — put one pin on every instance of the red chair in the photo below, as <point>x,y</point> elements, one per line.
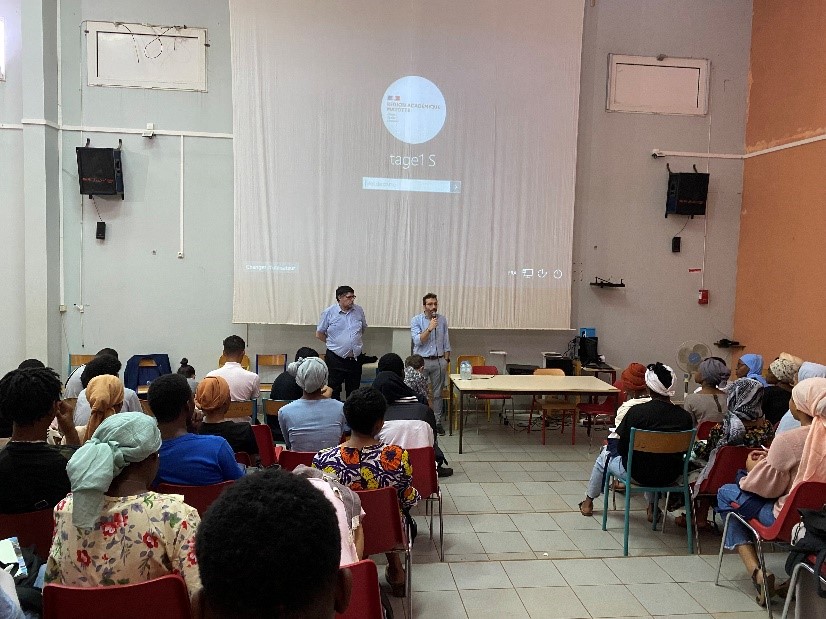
<point>807,495</point>
<point>608,408</point>
<point>291,459</point>
<point>426,481</point>
<point>365,599</point>
<point>488,397</point>
<point>384,531</point>
<point>168,595</point>
<point>267,452</point>
<point>704,430</point>
<point>808,565</point>
<point>242,457</point>
<point>199,497</point>
<point>31,529</point>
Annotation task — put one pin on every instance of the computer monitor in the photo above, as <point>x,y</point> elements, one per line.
<point>587,350</point>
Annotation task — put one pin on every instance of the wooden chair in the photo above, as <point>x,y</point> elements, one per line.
<point>384,531</point>
<point>242,409</point>
<point>291,459</point>
<point>168,595</point>
<point>556,406</point>
<point>245,362</point>
<point>426,481</point>
<point>199,497</point>
<point>267,452</point>
<point>269,361</point>
<point>806,495</point>
<point>365,598</point>
<point>30,529</point>
<point>145,407</point>
<point>75,361</point>
<point>271,408</point>
<point>657,443</point>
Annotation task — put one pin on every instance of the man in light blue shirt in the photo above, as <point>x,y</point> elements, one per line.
<point>341,327</point>
<point>431,341</point>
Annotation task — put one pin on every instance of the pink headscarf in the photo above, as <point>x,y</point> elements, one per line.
<point>810,398</point>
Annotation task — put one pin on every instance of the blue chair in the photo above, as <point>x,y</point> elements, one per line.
<point>660,443</point>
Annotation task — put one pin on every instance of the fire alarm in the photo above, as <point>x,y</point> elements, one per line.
<point>703,298</point>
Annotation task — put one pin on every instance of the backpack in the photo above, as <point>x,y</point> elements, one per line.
<point>809,538</point>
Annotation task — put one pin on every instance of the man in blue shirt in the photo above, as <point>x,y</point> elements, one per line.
<point>431,341</point>
<point>341,328</point>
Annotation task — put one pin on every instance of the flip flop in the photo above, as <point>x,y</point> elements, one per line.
<point>586,511</point>
<point>762,601</point>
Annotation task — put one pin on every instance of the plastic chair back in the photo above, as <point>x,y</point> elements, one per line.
<point>242,457</point>
<point>245,408</point>
<point>807,495</point>
<point>727,462</point>
<point>365,599</point>
<point>199,497</point>
<point>263,438</point>
<point>485,369</point>
<point>425,478</point>
<point>30,529</point>
<point>291,459</point>
<point>168,595</point>
<point>474,360</point>
<point>383,531</point>
<point>704,430</point>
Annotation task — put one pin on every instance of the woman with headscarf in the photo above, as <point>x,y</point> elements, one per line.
<point>213,399</point>
<point>312,422</point>
<point>709,403</point>
<point>781,376</point>
<point>794,457</point>
<point>751,366</point>
<point>111,529</point>
<point>808,369</point>
<point>105,395</point>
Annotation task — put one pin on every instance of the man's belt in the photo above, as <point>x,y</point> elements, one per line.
<point>435,357</point>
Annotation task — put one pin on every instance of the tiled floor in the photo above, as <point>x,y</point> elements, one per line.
<point>516,545</point>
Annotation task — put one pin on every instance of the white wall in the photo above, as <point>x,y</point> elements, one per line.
<point>139,301</point>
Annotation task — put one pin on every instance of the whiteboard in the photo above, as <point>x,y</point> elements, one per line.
<point>658,85</point>
<point>144,56</point>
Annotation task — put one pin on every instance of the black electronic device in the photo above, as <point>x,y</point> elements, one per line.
<point>99,171</point>
<point>687,193</point>
<point>587,351</point>
<point>519,369</point>
<point>675,244</point>
<point>100,231</point>
<point>560,363</point>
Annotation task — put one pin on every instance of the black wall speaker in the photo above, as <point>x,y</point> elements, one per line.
<point>99,171</point>
<point>687,193</point>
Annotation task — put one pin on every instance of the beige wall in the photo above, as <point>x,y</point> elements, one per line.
<point>781,271</point>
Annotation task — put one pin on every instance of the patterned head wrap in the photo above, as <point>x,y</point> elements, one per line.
<point>784,370</point>
<point>790,357</point>
<point>633,377</point>
<point>714,371</point>
<point>312,374</point>
<point>745,399</point>
<point>119,440</point>
<point>212,393</point>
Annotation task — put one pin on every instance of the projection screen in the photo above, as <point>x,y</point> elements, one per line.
<point>402,148</point>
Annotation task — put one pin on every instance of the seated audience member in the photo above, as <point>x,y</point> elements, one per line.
<point>312,422</point>
<point>416,379</point>
<point>364,463</point>
<point>100,366</point>
<point>111,529</point>
<point>33,473</point>
<point>407,422</point>
<point>807,370</point>
<point>794,457</point>
<point>105,396</point>
<point>188,372</point>
<point>212,398</point>
<point>781,377</point>
<point>751,366</point>
<point>301,555</point>
<point>186,458</point>
<point>349,513</point>
<point>74,385</point>
<point>651,469</point>
<point>31,363</point>
<point>243,385</point>
<point>709,403</point>
<point>284,386</point>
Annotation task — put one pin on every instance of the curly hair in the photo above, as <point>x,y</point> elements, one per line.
<point>291,535</point>
<point>28,395</point>
<point>100,366</point>
<point>363,408</point>
<point>167,396</point>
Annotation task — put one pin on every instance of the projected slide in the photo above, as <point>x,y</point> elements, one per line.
<point>403,148</point>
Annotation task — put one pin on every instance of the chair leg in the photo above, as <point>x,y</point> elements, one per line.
<point>530,414</point>
<point>792,583</point>
<point>689,510</point>
<point>574,422</point>
<point>605,492</point>
<point>722,547</point>
<point>543,421</point>
<point>693,523</point>
<point>441,531</point>
<point>627,524</point>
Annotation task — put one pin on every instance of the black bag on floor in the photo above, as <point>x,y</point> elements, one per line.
<point>809,538</point>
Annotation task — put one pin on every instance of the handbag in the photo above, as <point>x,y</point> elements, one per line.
<point>809,538</point>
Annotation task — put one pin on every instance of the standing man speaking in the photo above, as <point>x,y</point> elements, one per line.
<point>431,341</point>
<point>341,327</point>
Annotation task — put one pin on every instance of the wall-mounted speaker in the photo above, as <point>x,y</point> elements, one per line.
<point>687,193</point>
<point>99,171</point>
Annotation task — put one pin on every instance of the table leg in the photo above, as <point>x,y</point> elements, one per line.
<point>461,417</point>
<point>450,410</point>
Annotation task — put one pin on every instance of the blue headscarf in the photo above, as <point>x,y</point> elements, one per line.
<point>755,365</point>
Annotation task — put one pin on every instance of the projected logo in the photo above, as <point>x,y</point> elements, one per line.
<point>413,109</point>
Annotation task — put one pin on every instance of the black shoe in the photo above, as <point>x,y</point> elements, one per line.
<point>440,430</point>
<point>364,359</point>
<point>444,471</point>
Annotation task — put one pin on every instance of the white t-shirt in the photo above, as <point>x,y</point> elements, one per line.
<point>243,385</point>
<point>73,385</point>
<point>348,545</point>
<point>131,404</point>
<point>406,433</point>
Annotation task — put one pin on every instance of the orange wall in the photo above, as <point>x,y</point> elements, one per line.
<point>781,263</point>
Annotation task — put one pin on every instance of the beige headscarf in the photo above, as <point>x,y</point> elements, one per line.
<point>212,393</point>
<point>810,398</point>
<point>105,395</point>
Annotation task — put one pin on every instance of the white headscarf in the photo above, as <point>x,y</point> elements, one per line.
<point>652,381</point>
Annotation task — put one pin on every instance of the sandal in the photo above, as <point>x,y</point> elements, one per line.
<point>586,511</point>
<point>759,598</point>
<point>649,513</point>
<point>396,588</point>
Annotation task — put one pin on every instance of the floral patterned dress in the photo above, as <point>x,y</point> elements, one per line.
<point>370,468</point>
<point>137,538</point>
